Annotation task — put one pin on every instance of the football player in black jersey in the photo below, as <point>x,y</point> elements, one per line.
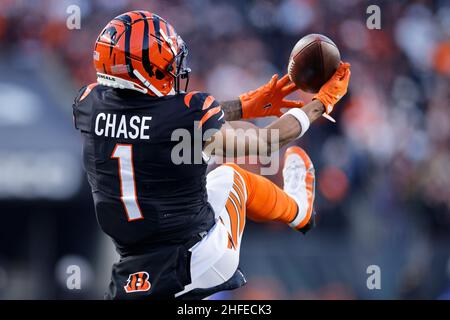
<point>178,231</point>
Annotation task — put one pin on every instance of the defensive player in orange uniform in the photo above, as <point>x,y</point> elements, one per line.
<point>178,230</point>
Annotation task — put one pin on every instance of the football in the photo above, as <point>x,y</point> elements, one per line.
<point>313,61</point>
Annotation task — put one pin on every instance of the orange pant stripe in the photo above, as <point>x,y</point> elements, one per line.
<point>238,181</point>
<point>241,210</point>
<point>265,200</point>
<point>232,212</point>
<point>230,241</point>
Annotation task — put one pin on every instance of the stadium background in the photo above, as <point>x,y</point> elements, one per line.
<point>383,189</point>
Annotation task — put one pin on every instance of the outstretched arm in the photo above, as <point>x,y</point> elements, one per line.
<point>241,138</point>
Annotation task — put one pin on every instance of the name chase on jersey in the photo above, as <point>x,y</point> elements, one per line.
<point>121,126</point>
<point>127,155</point>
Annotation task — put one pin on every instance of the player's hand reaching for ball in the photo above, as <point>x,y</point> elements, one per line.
<point>335,88</point>
<point>268,100</point>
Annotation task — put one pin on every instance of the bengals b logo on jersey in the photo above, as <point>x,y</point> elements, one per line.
<point>137,282</point>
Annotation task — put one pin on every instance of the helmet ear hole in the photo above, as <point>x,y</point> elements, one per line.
<point>159,75</point>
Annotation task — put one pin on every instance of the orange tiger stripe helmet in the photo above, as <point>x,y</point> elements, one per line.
<point>139,50</point>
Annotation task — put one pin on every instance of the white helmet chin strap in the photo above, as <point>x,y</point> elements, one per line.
<point>147,84</point>
<point>116,82</point>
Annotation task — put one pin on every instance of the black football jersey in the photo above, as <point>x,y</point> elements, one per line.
<point>143,159</point>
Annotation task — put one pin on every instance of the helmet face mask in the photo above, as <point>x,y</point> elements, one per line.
<point>181,69</point>
<point>139,50</point>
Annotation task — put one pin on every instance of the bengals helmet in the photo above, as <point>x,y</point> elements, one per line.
<point>139,50</point>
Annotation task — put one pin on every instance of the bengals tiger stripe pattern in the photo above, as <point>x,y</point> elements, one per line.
<point>208,103</point>
<point>135,41</point>
<point>236,209</point>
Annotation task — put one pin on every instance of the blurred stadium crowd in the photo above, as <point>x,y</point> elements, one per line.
<point>383,189</point>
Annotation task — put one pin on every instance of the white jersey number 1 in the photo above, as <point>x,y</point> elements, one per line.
<point>124,154</point>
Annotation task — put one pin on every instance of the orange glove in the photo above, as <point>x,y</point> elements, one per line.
<point>335,88</point>
<point>268,99</point>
